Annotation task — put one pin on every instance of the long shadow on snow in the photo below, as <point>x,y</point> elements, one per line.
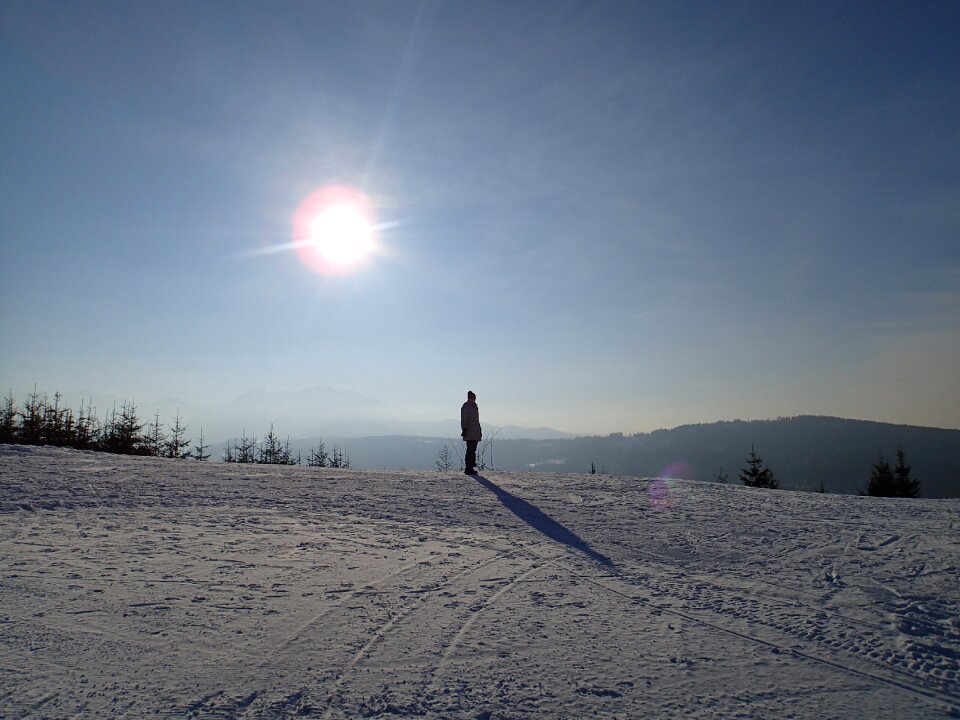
<point>542,522</point>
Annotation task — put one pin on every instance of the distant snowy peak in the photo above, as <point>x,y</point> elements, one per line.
<point>316,398</point>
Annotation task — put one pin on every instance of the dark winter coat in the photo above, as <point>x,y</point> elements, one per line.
<point>470,422</point>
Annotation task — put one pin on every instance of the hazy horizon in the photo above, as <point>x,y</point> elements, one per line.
<point>600,217</point>
<point>331,413</point>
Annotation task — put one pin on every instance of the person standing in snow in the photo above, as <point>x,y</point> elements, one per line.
<point>470,431</point>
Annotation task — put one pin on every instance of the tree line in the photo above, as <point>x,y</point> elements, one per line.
<point>270,451</point>
<point>895,482</point>
<point>884,480</point>
<point>47,421</point>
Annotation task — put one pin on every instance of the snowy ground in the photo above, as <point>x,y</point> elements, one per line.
<point>133,587</point>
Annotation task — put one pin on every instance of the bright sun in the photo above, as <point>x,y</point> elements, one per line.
<point>341,234</point>
<point>334,230</point>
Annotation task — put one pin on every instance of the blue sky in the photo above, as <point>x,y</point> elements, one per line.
<point>599,216</point>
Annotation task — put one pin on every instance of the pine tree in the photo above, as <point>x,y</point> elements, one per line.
<point>157,438</point>
<point>32,419</point>
<point>132,430</point>
<point>286,456</point>
<point>246,449</point>
<point>318,455</point>
<point>336,457</point>
<point>903,484</point>
<point>177,446</point>
<point>125,433</point>
<point>69,431</point>
<point>88,433</point>
<point>755,474</point>
<point>722,477</point>
<point>8,419</point>
<point>109,431</point>
<point>199,450</point>
<point>443,460</point>
<point>55,421</point>
<point>270,452</point>
<point>881,479</point>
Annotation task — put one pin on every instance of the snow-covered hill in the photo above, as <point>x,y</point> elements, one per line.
<point>134,587</point>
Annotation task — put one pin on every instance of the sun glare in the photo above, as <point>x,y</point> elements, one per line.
<point>333,230</point>
<point>341,234</point>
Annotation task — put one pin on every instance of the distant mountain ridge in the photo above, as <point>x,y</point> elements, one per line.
<point>318,411</point>
<point>802,451</point>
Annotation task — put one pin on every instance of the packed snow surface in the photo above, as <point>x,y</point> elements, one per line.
<point>140,588</point>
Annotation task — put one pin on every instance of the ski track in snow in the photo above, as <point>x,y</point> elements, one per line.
<point>138,588</point>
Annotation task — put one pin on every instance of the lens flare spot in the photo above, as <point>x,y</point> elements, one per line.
<point>662,488</point>
<point>677,471</point>
<point>333,230</point>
